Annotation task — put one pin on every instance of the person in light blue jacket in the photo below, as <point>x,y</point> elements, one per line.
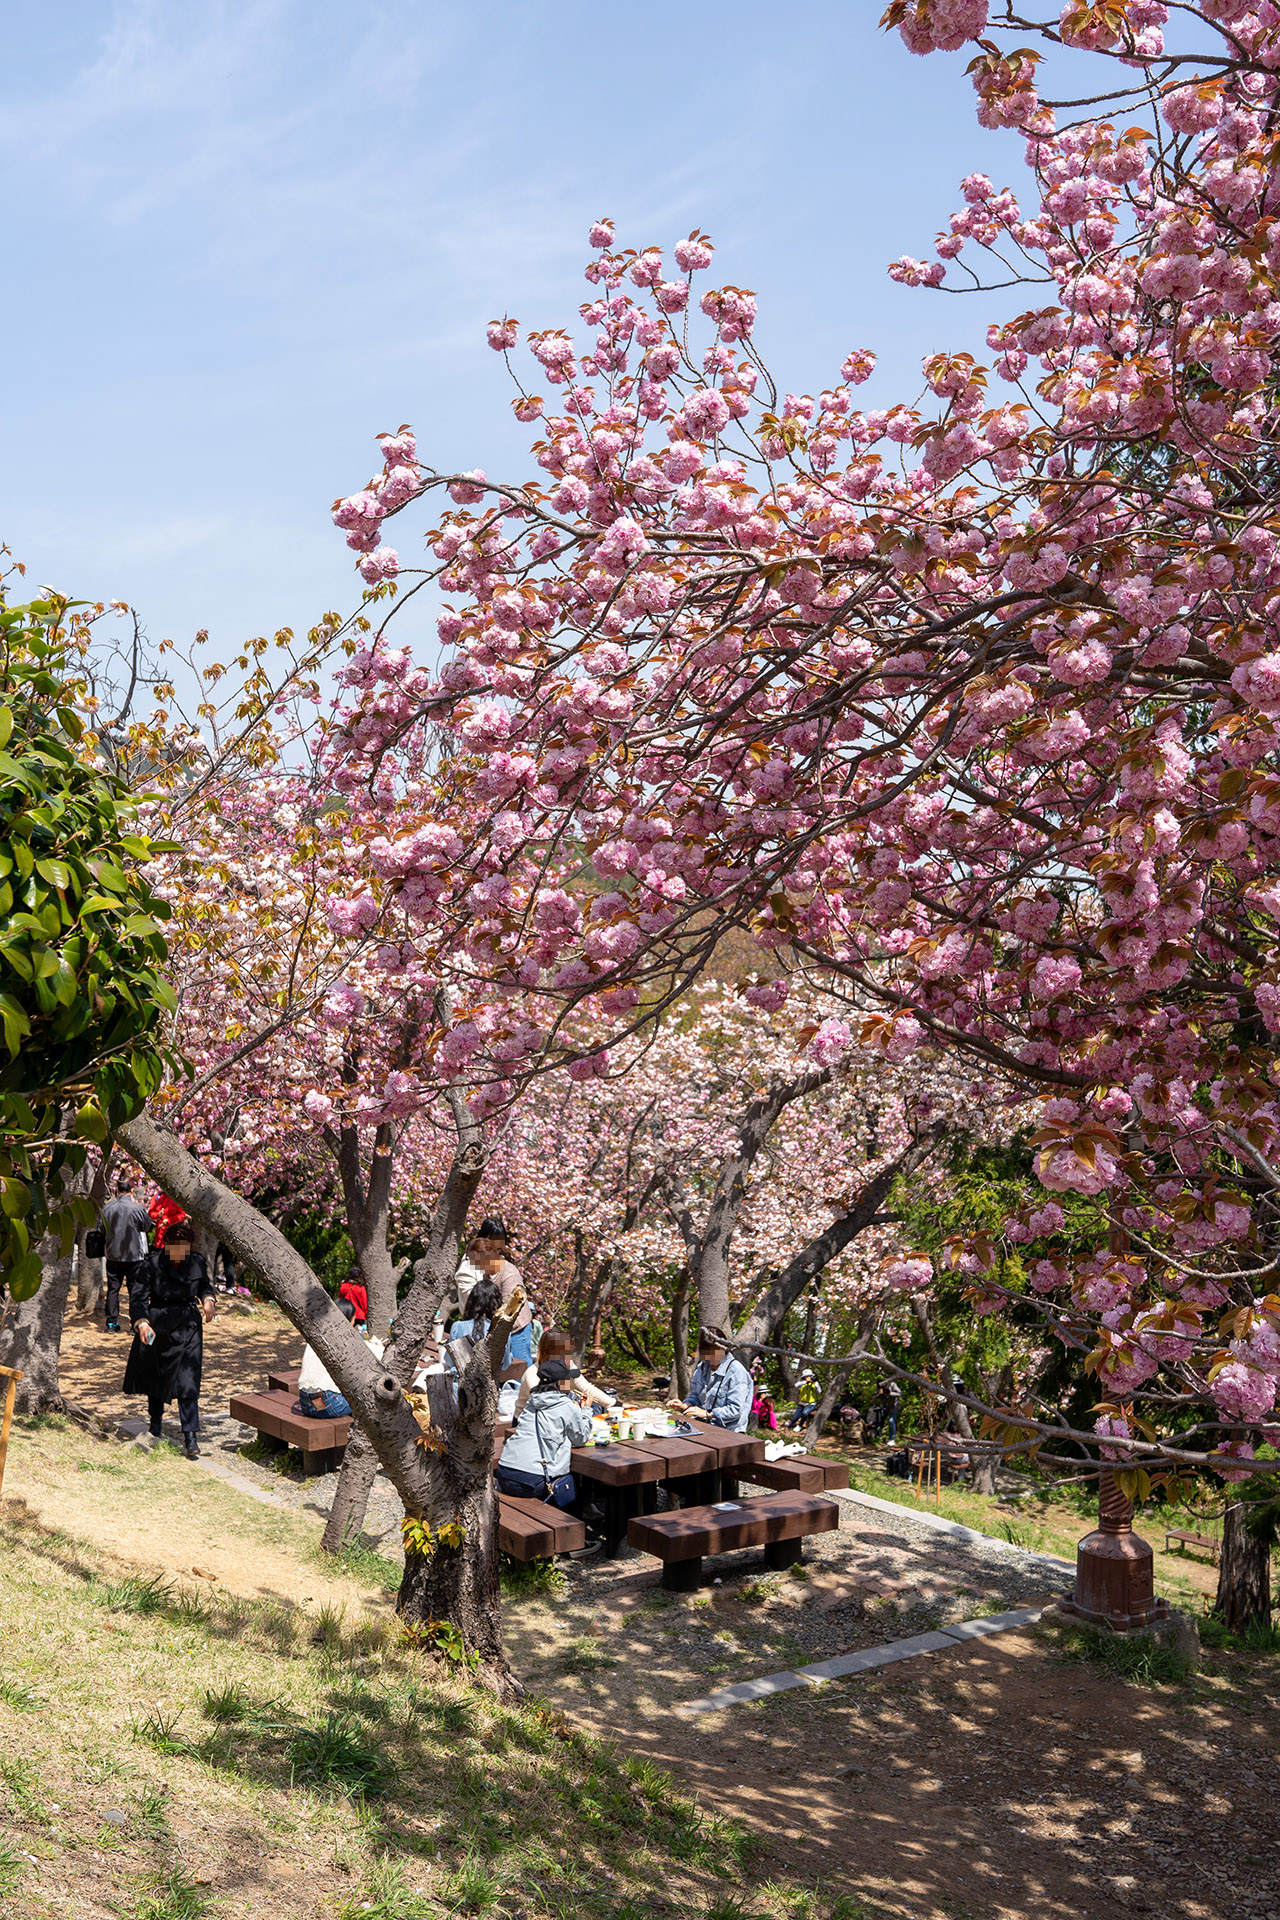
<point>535,1460</point>
<point>720,1391</point>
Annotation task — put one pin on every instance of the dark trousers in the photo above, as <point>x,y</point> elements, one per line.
<point>119,1274</point>
<point>188,1413</point>
<point>531,1486</point>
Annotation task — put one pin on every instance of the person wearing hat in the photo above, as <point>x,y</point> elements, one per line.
<point>488,1259</point>
<point>720,1390</point>
<point>806,1399</point>
<point>170,1298</point>
<point>535,1460</point>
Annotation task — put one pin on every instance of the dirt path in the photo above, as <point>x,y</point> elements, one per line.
<point>240,1349</point>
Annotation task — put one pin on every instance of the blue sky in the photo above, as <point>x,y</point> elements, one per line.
<point>244,238</point>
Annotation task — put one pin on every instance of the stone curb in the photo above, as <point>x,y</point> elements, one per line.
<point>951,1527</point>
<point>849,1663</point>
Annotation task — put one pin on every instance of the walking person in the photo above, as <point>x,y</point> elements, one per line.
<point>170,1298</point>
<point>126,1225</point>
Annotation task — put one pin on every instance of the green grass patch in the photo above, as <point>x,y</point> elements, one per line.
<point>1142,1662</point>
<point>530,1579</point>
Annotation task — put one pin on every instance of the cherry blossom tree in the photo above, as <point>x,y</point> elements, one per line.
<point>967,703</point>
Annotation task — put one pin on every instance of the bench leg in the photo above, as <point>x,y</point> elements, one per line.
<point>682,1576</point>
<point>779,1554</point>
<point>271,1444</point>
<point>697,1489</point>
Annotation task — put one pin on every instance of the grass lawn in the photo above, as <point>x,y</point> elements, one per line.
<point>1044,1522</point>
<point>174,1747</point>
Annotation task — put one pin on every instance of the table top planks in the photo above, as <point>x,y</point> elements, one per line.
<point>630,1463</point>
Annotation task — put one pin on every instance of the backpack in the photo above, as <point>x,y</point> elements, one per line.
<point>95,1244</point>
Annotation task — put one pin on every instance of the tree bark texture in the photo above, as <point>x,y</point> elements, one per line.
<point>433,1277</point>
<point>710,1249</point>
<point>833,1391</point>
<point>432,1484</point>
<point>460,1584</point>
<point>31,1330</point>
<point>1244,1574</point>
<point>680,1334</point>
<point>31,1333</point>
<point>356,1476</point>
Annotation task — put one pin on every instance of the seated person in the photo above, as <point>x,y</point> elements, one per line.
<point>535,1460</point>
<point>806,1399</point>
<point>720,1391</point>
<point>318,1395</point>
<point>555,1345</point>
<point>483,1302</point>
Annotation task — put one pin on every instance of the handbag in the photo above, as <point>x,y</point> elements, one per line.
<point>95,1244</point>
<point>561,1490</point>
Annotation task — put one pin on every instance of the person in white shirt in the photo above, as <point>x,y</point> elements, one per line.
<point>318,1394</point>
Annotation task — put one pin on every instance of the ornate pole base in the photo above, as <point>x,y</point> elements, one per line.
<point>1115,1583</point>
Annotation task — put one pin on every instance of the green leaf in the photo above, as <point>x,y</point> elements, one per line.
<point>24,1277</point>
<point>91,1122</point>
<point>56,872</point>
<point>6,725</point>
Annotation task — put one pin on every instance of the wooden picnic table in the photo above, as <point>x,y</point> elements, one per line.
<point>626,1474</point>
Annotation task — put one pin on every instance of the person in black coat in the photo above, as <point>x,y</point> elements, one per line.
<point>170,1297</point>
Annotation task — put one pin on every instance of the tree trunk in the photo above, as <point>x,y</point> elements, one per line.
<point>983,1467</point>
<point>432,1277</point>
<point>460,1583</point>
<point>775,1336</point>
<point>680,1334</point>
<point>356,1476</point>
<point>1244,1574</point>
<point>31,1333</point>
<point>830,1399</point>
<point>785,1290</point>
<point>636,1345</point>
<point>447,1479</point>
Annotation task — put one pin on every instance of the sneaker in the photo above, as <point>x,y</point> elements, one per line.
<point>113,1326</point>
<point>189,1447</point>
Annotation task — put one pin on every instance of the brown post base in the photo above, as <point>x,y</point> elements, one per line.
<point>682,1576</point>
<point>779,1554</point>
<point>1115,1584</point>
<point>1117,1622</point>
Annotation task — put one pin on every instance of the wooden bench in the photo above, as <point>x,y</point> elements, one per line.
<point>1211,1547</point>
<point>322,1443</point>
<point>799,1473</point>
<point>533,1530</point>
<point>778,1522</point>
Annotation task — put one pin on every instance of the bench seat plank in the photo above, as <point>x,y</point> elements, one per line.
<point>784,1476</point>
<point>691,1532</point>
<point>271,1413</point>
<point>835,1473</point>
<point>532,1530</point>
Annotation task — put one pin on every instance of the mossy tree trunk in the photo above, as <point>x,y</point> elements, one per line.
<point>1244,1574</point>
